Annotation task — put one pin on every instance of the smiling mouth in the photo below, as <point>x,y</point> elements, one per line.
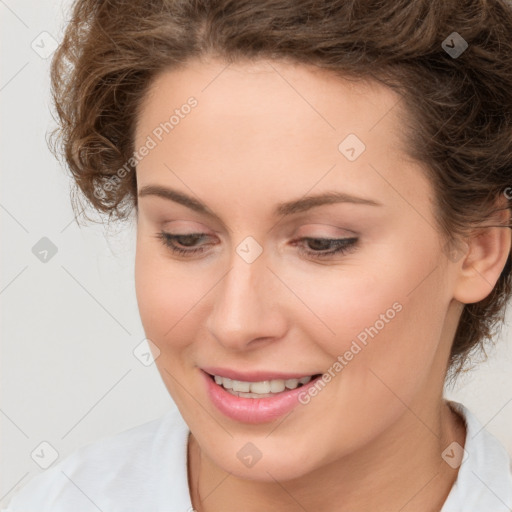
<point>260,389</point>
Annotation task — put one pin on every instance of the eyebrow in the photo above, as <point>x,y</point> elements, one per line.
<point>282,209</point>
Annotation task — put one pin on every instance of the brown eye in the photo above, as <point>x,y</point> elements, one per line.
<point>318,246</point>
<point>185,240</point>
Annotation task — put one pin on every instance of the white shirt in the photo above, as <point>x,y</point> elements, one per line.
<point>145,469</point>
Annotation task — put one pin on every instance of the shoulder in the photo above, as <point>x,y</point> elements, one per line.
<point>484,480</point>
<point>141,467</point>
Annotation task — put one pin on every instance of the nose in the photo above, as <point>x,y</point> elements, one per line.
<point>245,311</point>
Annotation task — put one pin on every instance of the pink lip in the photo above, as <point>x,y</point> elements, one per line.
<point>253,410</point>
<point>256,376</point>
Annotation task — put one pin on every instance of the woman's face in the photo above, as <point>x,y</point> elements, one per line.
<point>259,301</point>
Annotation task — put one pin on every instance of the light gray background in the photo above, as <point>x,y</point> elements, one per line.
<point>70,325</point>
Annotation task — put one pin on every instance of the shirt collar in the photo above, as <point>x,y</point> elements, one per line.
<point>484,479</point>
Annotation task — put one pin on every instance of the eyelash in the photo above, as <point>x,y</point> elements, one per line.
<point>344,245</point>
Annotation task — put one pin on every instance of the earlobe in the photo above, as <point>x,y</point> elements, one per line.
<point>488,250</point>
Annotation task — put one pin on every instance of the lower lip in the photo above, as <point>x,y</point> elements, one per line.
<point>254,410</point>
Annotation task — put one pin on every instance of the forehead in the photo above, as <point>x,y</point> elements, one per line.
<point>268,90</point>
<point>266,124</point>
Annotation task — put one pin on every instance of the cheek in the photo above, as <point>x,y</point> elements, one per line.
<point>168,300</point>
<point>384,347</point>
<point>360,320</point>
<point>347,303</point>
<point>167,295</point>
<point>383,317</point>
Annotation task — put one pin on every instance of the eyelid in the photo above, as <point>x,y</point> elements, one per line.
<point>186,227</point>
<point>337,232</point>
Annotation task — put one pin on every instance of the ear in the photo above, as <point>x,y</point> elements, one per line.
<point>488,250</point>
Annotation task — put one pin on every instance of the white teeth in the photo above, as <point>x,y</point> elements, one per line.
<point>239,385</point>
<point>261,388</point>
<point>276,386</point>
<point>227,383</point>
<point>291,383</point>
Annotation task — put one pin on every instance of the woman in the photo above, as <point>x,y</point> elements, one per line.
<point>322,197</point>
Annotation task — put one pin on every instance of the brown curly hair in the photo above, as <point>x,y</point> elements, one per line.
<point>460,106</point>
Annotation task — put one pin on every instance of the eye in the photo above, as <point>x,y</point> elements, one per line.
<point>335,246</point>
<point>317,246</point>
<point>188,240</point>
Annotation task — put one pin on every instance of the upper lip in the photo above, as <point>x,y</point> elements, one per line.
<point>256,375</point>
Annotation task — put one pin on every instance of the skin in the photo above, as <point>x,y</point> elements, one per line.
<point>263,133</point>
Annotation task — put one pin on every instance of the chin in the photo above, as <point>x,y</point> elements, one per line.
<point>277,465</point>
